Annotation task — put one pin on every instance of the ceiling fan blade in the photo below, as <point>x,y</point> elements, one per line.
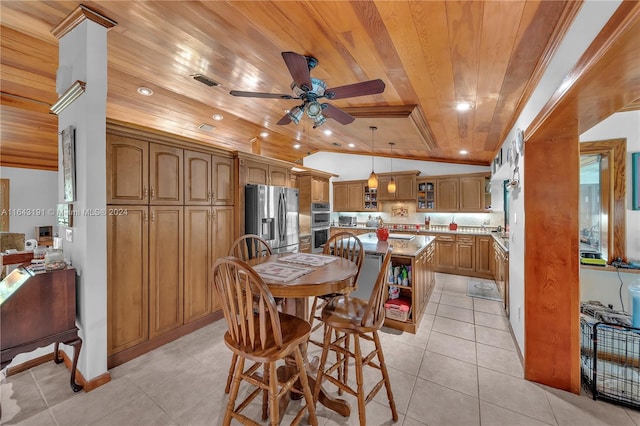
<point>298,68</point>
<point>357,89</point>
<point>260,95</point>
<point>284,120</point>
<point>337,114</point>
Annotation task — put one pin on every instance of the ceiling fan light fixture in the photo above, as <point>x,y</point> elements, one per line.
<point>295,114</point>
<point>314,109</point>
<point>373,178</point>
<point>319,121</point>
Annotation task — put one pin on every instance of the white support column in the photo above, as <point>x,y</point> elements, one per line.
<point>83,57</point>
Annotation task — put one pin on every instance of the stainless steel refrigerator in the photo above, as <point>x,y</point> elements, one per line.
<point>272,213</point>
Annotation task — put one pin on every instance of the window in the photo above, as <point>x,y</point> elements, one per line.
<point>602,198</point>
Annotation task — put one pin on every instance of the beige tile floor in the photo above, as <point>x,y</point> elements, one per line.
<point>460,369</point>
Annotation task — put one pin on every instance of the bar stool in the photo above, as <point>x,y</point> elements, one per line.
<point>262,336</point>
<point>248,246</point>
<point>361,319</point>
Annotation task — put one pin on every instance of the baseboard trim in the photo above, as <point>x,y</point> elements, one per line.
<point>29,364</point>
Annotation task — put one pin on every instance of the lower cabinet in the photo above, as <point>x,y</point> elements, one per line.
<point>158,271</point>
<point>501,269</point>
<point>417,291</point>
<point>446,254</point>
<point>464,255</point>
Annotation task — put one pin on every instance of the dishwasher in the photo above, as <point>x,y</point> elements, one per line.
<point>368,275</point>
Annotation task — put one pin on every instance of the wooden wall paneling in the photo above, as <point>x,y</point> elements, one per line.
<point>551,286</point>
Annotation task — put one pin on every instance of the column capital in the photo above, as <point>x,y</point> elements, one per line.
<point>79,15</point>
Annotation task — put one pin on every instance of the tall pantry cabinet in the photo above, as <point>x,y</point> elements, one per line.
<point>177,218</point>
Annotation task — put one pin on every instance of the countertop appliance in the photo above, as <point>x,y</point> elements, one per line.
<point>272,213</point>
<point>347,221</point>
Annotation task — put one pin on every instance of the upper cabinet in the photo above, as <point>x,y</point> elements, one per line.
<point>165,174</point>
<point>426,194</point>
<point>348,196</point>
<point>208,179</point>
<point>313,187</point>
<point>127,170</point>
<point>405,186</point>
<point>263,173</point>
<point>461,193</point>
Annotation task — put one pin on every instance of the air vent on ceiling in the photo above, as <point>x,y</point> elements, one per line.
<point>336,144</point>
<point>206,127</point>
<point>205,80</point>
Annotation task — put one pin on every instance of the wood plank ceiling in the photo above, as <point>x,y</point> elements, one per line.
<point>430,55</point>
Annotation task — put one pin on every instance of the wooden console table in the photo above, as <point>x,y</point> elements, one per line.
<point>36,311</point>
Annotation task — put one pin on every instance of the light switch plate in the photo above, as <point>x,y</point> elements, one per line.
<point>69,235</point>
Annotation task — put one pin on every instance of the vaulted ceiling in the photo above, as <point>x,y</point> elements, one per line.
<point>429,54</point>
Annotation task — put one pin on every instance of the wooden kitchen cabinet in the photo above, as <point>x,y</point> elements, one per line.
<point>501,269</point>
<point>446,254</point>
<point>127,170</point>
<point>405,186</point>
<point>319,190</point>
<point>460,193</point>
<point>425,195</point>
<point>348,196</point>
<point>166,257</point>
<point>165,175</point>
<point>128,279</point>
<point>465,254</point>
<point>209,179</point>
<point>263,173</point>
<point>484,256</point>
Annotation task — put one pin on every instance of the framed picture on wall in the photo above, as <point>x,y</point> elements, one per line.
<point>635,180</point>
<point>69,163</point>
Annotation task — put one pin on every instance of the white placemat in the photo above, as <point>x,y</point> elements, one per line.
<point>308,259</point>
<point>283,272</point>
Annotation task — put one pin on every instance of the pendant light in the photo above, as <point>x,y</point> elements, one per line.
<point>373,178</point>
<point>391,187</point>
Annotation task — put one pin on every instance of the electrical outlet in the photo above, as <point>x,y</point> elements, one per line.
<point>69,235</point>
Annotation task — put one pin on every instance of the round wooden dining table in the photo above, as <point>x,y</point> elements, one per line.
<point>325,279</point>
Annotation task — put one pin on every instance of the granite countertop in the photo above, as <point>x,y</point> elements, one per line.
<point>401,247</point>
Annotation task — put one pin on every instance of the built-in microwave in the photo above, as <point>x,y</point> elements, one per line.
<point>320,215</point>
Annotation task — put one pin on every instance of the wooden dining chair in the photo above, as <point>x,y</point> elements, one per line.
<point>246,247</point>
<point>361,319</point>
<point>250,246</point>
<point>346,245</point>
<point>262,336</point>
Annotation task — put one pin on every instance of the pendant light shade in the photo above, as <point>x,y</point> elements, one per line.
<point>391,187</point>
<point>373,178</point>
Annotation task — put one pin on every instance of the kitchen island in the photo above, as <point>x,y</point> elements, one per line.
<point>412,258</point>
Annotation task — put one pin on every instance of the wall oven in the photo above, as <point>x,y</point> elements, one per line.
<point>319,236</point>
<point>320,215</point>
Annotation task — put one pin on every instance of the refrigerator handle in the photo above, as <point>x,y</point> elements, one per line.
<point>282,217</point>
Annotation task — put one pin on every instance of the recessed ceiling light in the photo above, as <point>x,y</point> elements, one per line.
<point>217,117</point>
<point>463,106</point>
<point>297,146</point>
<point>351,145</point>
<point>328,132</point>
<point>145,91</point>
<point>264,134</point>
<point>464,152</point>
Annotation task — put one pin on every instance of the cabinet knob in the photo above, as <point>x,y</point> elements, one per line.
<point>144,192</point>
<point>152,193</point>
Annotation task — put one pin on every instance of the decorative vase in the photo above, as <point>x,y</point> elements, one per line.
<point>382,234</point>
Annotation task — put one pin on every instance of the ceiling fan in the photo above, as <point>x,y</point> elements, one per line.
<point>309,90</point>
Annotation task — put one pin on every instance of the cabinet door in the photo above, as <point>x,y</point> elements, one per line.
<point>425,195</point>
<point>197,262</point>
<point>222,177</point>
<point>471,193</point>
<point>319,190</point>
<point>340,197</point>
<point>466,254</point>
<point>127,170</point>
<point>279,176</point>
<point>222,219</point>
<point>447,194</point>
<point>445,255</point>
<point>166,252</point>
<point>257,173</point>
<point>383,193</point>
<point>197,178</point>
<point>127,279</point>
<point>356,197</point>
<point>165,175</point>
<point>405,187</point>
<point>484,258</point>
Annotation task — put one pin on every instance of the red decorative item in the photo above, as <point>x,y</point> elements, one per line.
<point>453,226</point>
<point>382,234</point>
